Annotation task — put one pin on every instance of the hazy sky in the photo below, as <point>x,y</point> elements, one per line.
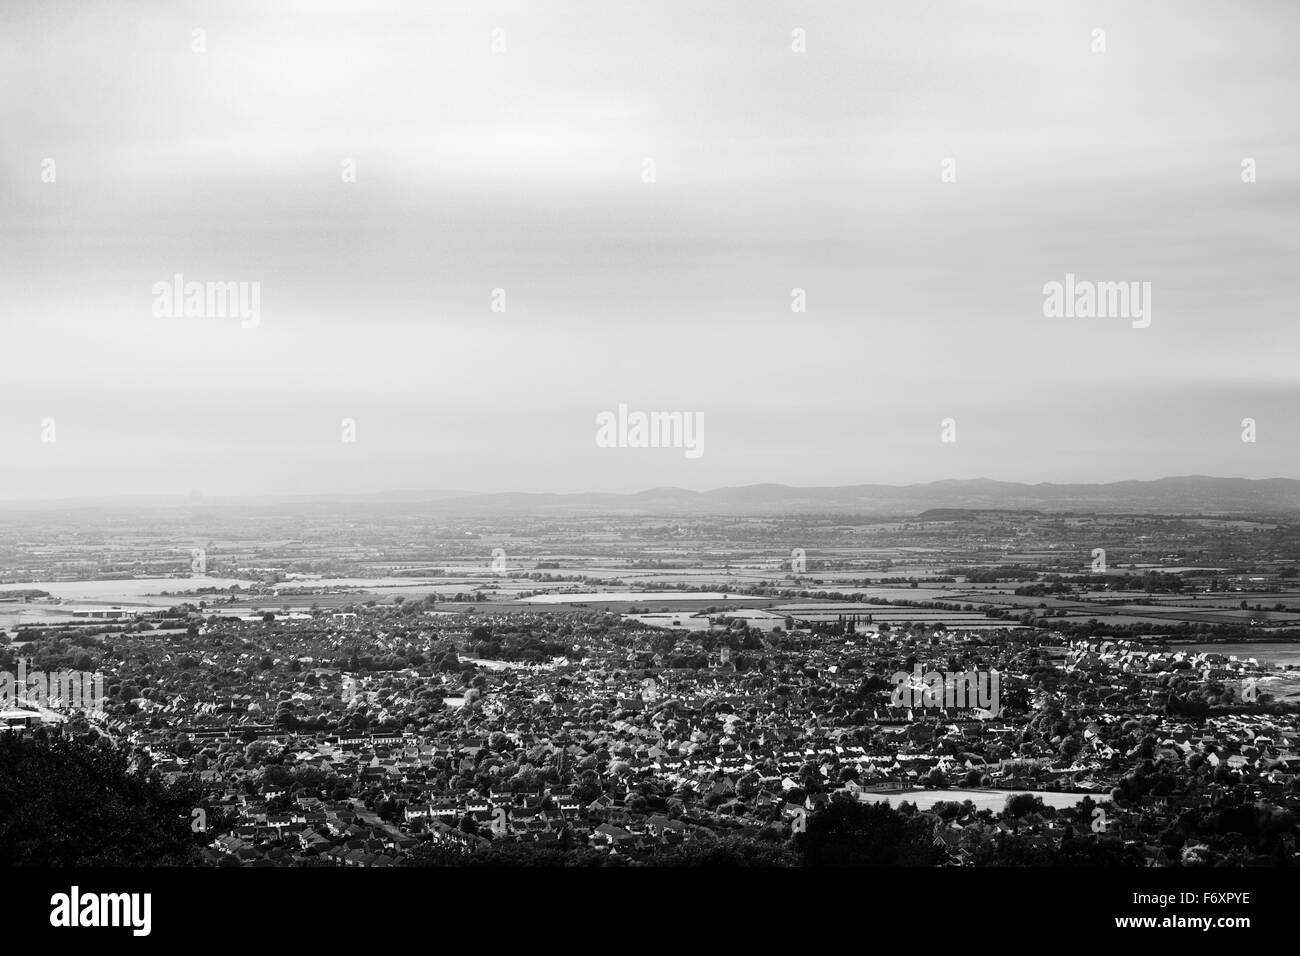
<point>523,170</point>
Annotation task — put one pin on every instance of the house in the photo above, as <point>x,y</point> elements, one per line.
<point>610,835</point>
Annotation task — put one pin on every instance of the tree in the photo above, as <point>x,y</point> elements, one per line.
<point>64,802</point>
<point>747,786</point>
<point>866,834</point>
<point>730,851</point>
<point>1021,805</point>
<point>936,778</point>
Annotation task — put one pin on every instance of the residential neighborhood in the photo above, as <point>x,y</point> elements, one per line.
<point>399,734</point>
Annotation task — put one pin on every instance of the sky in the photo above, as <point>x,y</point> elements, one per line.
<point>795,145</point>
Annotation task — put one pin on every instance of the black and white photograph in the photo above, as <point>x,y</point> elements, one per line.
<point>468,450</point>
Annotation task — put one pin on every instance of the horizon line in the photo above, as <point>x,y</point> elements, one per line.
<point>453,494</point>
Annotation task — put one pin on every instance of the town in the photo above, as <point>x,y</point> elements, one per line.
<point>1001,708</point>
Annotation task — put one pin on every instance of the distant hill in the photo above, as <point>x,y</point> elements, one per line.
<point>1195,494</point>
